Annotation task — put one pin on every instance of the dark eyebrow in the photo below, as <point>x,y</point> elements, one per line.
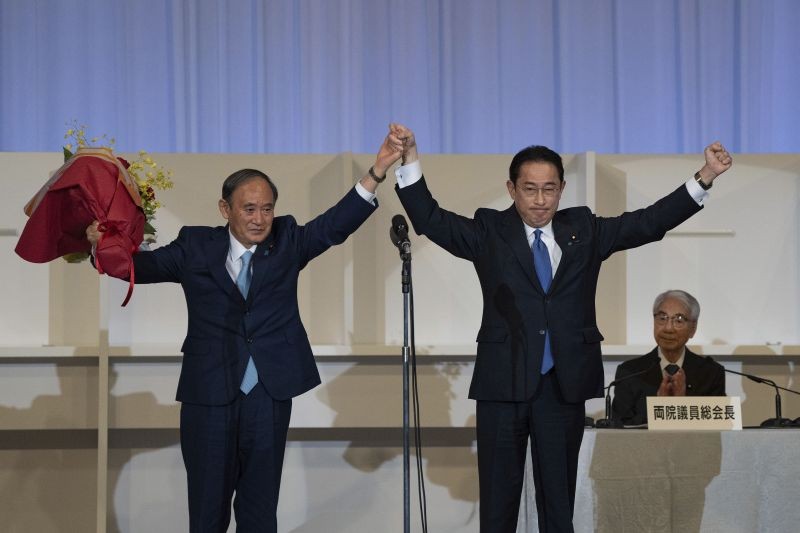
<point>545,184</point>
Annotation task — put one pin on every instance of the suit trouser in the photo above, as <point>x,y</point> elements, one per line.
<point>555,428</point>
<point>235,448</point>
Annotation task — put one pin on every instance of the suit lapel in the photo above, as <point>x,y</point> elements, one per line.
<point>691,364</point>
<point>514,234</point>
<point>260,262</point>
<point>217,253</point>
<point>653,376</point>
<point>566,237</point>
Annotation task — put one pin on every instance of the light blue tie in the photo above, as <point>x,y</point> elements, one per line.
<point>544,271</point>
<point>243,282</point>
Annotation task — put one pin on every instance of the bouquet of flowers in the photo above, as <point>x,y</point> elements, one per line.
<point>148,175</point>
<point>94,185</point>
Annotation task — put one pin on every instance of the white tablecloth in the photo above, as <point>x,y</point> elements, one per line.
<point>634,481</point>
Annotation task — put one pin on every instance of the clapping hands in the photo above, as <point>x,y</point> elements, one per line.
<point>674,385</point>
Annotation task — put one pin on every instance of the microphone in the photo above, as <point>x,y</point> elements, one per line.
<point>609,422</point>
<point>398,234</point>
<point>778,421</point>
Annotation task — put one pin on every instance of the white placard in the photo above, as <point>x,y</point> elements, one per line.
<point>694,412</point>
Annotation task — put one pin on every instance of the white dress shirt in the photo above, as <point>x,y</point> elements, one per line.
<point>549,239</point>
<point>236,250</point>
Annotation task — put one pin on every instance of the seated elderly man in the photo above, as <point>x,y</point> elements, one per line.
<point>670,369</point>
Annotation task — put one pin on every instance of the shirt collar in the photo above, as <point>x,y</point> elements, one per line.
<point>547,231</point>
<point>236,249</point>
<point>664,361</point>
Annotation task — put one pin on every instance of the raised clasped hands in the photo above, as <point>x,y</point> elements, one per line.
<point>406,138</point>
<point>399,142</point>
<point>390,151</point>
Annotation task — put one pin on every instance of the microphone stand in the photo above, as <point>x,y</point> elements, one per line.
<point>405,277</point>
<point>778,421</point>
<point>608,422</point>
<point>404,246</point>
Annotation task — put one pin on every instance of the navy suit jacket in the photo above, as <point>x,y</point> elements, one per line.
<point>516,311</point>
<point>225,329</point>
<point>704,377</point>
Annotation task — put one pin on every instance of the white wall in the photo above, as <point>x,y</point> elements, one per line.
<point>75,365</point>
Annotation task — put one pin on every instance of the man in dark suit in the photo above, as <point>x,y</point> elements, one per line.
<point>538,354</point>
<point>246,353</point>
<point>670,369</point>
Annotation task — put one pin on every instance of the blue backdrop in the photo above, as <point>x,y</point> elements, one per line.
<point>468,76</point>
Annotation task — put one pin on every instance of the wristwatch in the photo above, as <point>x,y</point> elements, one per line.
<point>701,183</point>
<point>375,176</point>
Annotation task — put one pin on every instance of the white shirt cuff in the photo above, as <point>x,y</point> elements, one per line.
<point>408,174</point>
<point>365,194</point>
<point>696,191</point>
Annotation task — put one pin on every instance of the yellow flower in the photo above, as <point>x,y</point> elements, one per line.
<point>155,177</point>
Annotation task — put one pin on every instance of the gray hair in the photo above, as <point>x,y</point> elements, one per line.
<point>689,301</point>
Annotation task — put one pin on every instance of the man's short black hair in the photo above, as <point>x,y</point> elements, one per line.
<point>535,154</point>
<point>239,177</point>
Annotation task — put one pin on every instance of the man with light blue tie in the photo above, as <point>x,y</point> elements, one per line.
<point>538,357</point>
<point>246,353</point>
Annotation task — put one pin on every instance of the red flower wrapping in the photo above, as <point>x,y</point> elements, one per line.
<point>92,185</point>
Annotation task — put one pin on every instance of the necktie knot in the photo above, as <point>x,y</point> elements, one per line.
<point>246,258</point>
<point>672,369</point>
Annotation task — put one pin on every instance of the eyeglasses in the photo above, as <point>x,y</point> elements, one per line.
<point>679,321</point>
<point>548,191</point>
